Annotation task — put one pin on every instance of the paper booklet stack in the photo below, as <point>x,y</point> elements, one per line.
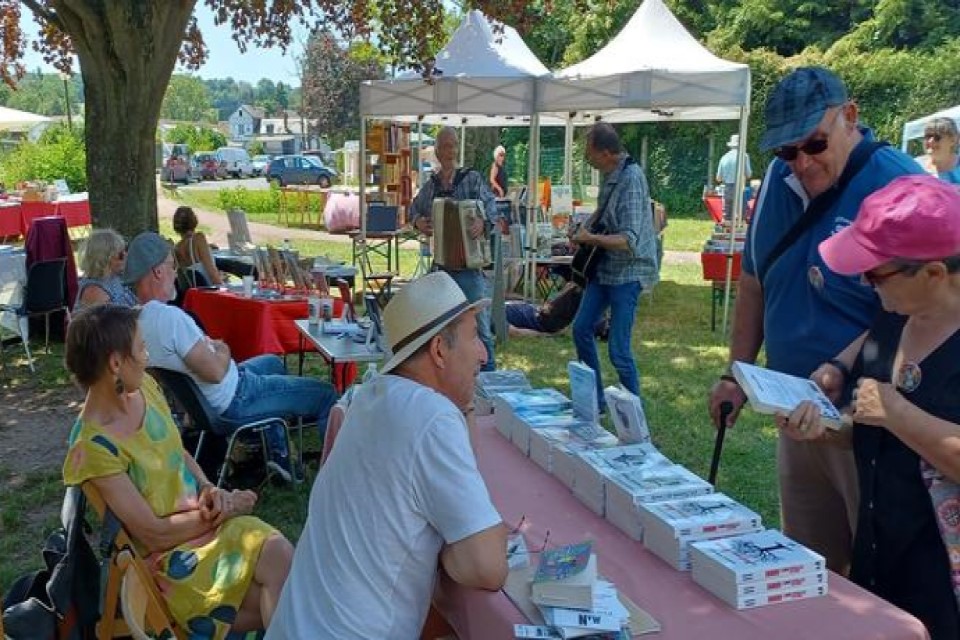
<point>670,527</point>
<point>555,449</point>
<point>542,400</point>
<point>593,468</point>
<point>574,602</point>
<point>627,490</point>
<point>490,383</point>
<point>757,569</point>
<point>775,392</point>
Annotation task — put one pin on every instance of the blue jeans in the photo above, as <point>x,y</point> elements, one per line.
<point>266,391</point>
<point>474,286</point>
<point>622,301</point>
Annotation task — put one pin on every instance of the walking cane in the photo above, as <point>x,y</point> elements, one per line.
<point>726,408</point>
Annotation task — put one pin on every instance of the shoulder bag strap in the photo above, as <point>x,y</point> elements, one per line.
<point>193,261</point>
<point>820,205</point>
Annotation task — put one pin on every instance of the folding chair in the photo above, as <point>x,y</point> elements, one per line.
<point>207,421</point>
<point>44,294</point>
<point>130,588</point>
<point>379,283</point>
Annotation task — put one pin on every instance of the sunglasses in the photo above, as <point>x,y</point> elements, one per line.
<point>789,153</point>
<point>936,137</point>
<point>876,279</point>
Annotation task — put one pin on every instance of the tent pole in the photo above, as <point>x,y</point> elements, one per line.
<point>710,151</point>
<point>463,139</point>
<point>568,151</point>
<point>419,151</point>
<point>644,151</point>
<point>363,195</point>
<point>737,213</point>
<point>533,201</point>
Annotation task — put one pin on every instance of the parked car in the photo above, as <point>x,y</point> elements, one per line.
<point>209,165</point>
<point>236,161</point>
<point>259,164</point>
<point>286,170</point>
<point>178,167</point>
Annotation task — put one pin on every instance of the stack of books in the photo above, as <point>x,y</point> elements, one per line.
<point>574,602</point>
<point>526,422</point>
<point>564,457</point>
<point>541,400</point>
<point>757,569</point>
<point>592,470</point>
<point>627,490</point>
<point>490,383</point>
<point>669,527</point>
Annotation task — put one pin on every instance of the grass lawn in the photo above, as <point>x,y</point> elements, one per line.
<point>679,358</point>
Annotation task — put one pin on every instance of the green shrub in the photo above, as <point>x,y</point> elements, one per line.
<point>251,201</point>
<point>59,153</point>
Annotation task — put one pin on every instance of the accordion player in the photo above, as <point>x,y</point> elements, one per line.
<point>453,248</point>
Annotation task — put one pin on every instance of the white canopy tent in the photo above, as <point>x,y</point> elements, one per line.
<point>488,79</point>
<point>914,129</point>
<point>14,120</point>
<point>653,70</point>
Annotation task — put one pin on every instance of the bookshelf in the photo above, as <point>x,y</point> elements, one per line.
<point>387,165</point>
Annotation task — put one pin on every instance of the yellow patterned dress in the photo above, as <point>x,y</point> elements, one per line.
<point>203,580</point>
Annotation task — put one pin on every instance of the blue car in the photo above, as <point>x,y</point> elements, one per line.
<point>285,170</point>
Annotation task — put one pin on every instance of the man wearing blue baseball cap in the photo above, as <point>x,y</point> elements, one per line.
<point>791,303</point>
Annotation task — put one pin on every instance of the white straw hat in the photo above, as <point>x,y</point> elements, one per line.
<point>421,310</point>
<point>734,141</point>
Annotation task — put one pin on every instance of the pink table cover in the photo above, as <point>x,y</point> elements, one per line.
<point>520,489</point>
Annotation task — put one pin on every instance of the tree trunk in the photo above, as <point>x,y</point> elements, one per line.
<point>127,51</point>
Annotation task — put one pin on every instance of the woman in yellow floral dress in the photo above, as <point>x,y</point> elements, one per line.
<point>219,569</point>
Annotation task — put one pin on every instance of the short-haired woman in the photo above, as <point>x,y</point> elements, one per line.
<point>940,137</point>
<point>219,569</point>
<point>102,260</point>
<point>192,251</point>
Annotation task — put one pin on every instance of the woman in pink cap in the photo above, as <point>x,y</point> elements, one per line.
<point>903,379</point>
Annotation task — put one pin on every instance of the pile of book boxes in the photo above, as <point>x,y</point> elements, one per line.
<point>629,482</point>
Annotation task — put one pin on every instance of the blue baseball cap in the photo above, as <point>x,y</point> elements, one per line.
<point>798,103</point>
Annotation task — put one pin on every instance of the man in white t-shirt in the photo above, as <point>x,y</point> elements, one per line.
<point>255,389</point>
<point>727,173</point>
<point>400,492</point>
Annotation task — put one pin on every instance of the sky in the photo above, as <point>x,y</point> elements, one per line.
<point>225,59</point>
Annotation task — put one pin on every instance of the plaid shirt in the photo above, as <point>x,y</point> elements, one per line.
<point>472,187</point>
<point>628,213</point>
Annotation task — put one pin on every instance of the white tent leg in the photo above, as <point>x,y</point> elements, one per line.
<point>533,202</point>
<point>568,151</point>
<point>737,212</point>
<point>363,198</point>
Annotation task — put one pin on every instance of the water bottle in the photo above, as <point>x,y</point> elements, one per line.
<point>369,374</point>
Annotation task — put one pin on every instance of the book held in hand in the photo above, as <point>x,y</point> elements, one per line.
<point>773,392</point>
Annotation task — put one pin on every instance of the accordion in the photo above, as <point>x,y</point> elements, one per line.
<point>453,248</point>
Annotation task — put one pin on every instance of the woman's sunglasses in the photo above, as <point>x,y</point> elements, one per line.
<point>936,137</point>
<point>788,153</point>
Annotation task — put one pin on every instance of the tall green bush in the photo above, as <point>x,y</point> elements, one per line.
<point>59,153</point>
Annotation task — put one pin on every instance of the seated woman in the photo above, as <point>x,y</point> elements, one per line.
<point>905,242</point>
<point>218,568</point>
<point>192,251</point>
<point>102,260</point>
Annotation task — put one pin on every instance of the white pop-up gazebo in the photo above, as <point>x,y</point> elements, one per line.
<point>15,120</point>
<point>914,129</point>
<point>653,70</point>
<point>488,77</point>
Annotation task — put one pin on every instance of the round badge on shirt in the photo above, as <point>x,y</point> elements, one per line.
<point>815,276</point>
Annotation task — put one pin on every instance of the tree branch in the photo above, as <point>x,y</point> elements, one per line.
<point>43,12</point>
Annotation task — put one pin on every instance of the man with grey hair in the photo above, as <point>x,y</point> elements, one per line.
<point>448,181</point>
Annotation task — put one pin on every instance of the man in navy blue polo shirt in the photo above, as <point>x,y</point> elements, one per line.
<point>790,302</point>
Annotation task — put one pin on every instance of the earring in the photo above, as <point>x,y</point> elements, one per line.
<point>118,385</point>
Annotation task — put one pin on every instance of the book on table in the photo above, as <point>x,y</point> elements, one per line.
<point>566,577</point>
<point>774,392</point>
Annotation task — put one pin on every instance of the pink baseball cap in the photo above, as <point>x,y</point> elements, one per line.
<point>915,217</point>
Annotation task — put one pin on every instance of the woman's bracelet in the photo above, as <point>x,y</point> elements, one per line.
<point>841,367</point>
<point>729,378</point>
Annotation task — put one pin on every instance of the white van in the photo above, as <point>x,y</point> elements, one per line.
<point>237,161</point>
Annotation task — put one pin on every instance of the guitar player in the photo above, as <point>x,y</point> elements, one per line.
<point>622,230</point>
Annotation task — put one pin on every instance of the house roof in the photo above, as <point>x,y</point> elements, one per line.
<point>256,112</point>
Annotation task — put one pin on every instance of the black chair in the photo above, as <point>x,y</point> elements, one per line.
<point>45,293</point>
<point>207,421</point>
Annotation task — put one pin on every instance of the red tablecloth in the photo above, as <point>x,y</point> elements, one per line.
<point>714,205</point>
<point>520,489</point>
<point>253,327</point>
<point>16,217</point>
